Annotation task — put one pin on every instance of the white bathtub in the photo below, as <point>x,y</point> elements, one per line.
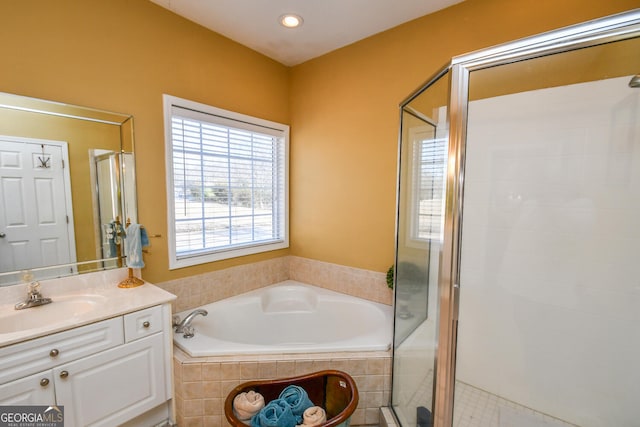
<point>289,317</point>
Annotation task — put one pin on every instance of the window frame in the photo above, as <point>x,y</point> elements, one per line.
<point>418,144</point>
<point>241,121</point>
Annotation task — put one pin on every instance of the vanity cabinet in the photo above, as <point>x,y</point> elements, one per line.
<point>104,374</point>
<point>113,386</point>
<point>35,389</point>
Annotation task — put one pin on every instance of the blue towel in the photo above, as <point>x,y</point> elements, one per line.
<point>276,413</point>
<point>298,399</point>
<point>134,241</point>
<point>144,237</point>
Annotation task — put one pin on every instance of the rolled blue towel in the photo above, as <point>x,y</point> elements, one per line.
<point>298,399</point>
<point>276,413</point>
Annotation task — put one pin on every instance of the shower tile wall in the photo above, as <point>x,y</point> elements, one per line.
<point>202,384</point>
<point>549,267</point>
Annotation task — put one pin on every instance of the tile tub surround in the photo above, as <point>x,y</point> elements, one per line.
<point>194,291</point>
<point>366,284</point>
<point>202,384</point>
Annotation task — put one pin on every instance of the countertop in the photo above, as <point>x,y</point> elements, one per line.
<point>103,286</point>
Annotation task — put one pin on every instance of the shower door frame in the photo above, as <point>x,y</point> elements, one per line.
<point>591,33</point>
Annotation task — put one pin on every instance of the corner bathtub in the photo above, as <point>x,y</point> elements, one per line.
<point>289,317</point>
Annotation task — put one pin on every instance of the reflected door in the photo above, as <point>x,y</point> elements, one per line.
<point>35,216</point>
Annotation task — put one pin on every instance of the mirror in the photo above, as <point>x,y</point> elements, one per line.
<point>67,183</point>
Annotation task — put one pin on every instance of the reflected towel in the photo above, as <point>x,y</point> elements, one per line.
<point>298,399</point>
<point>276,413</point>
<point>133,244</point>
<point>314,416</point>
<point>110,237</point>
<point>247,404</point>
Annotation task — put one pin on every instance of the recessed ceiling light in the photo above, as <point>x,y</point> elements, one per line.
<point>291,20</point>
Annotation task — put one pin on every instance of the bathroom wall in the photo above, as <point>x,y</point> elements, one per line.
<point>345,119</point>
<point>549,289</point>
<point>122,55</point>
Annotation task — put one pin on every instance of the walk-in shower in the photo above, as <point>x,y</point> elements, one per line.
<point>518,235</point>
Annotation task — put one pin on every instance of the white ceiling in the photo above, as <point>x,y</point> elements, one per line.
<point>328,24</point>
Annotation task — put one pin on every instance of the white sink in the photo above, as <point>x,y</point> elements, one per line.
<point>62,309</point>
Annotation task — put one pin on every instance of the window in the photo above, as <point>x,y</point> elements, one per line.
<point>429,175</point>
<point>227,190</point>
<point>433,155</point>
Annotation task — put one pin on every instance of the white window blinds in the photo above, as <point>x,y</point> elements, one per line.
<point>229,184</point>
<point>430,155</point>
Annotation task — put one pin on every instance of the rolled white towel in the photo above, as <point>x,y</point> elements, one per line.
<point>314,416</point>
<point>247,404</point>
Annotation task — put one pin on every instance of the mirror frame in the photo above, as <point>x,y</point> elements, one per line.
<point>126,204</point>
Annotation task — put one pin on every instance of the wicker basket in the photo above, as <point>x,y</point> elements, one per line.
<point>334,391</point>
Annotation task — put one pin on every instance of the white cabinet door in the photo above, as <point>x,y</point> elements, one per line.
<point>111,387</point>
<point>32,390</point>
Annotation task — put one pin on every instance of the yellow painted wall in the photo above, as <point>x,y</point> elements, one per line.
<point>122,55</point>
<point>345,119</point>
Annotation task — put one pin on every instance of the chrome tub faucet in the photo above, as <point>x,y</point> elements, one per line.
<point>184,326</point>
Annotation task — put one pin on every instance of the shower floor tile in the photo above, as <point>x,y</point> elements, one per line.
<point>477,408</point>
<point>474,407</point>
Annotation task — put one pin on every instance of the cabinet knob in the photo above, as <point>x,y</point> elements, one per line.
<point>64,374</point>
<point>54,352</point>
<point>146,324</point>
<point>44,382</point>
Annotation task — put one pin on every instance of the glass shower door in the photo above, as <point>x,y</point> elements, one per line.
<point>547,332</point>
<point>423,153</point>
<point>523,312</point>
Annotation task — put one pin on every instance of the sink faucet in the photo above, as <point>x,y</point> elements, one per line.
<point>184,326</point>
<point>34,297</point>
